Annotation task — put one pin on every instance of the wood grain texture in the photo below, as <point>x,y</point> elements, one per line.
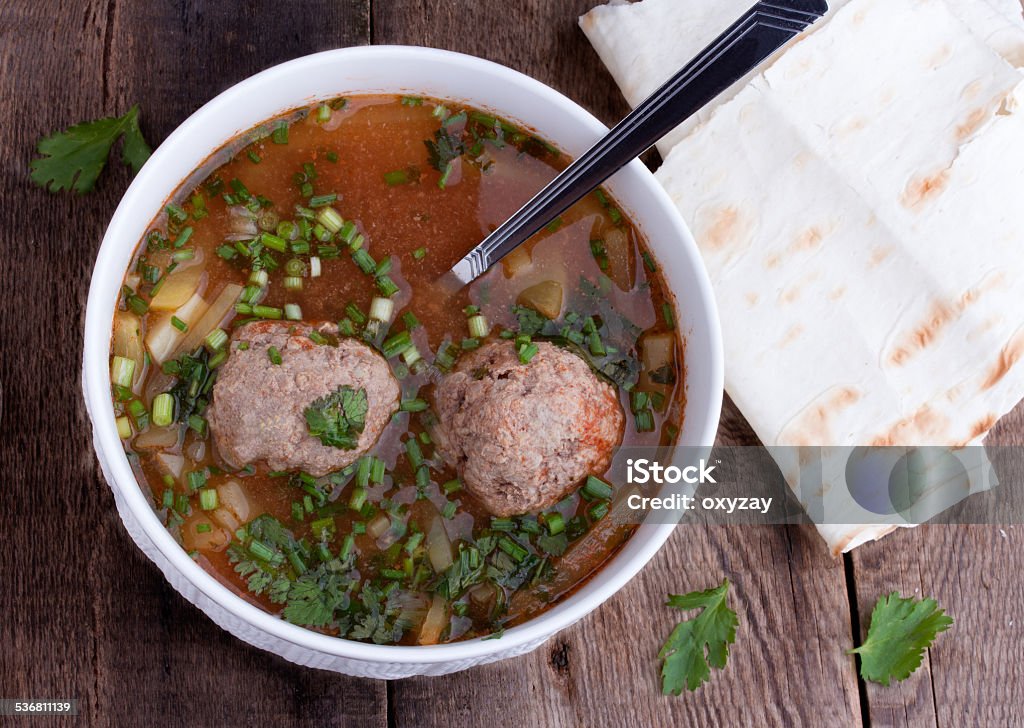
<point>84,614</point>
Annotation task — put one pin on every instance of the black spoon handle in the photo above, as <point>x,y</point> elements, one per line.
<point>750,40</point>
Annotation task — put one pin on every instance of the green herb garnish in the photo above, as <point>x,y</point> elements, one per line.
<point>338,418</point>
<point>73,159</point>
<point>696,645</point>
<point>901,630</point>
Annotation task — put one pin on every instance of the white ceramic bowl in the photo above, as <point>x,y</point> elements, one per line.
<point>387,69</point>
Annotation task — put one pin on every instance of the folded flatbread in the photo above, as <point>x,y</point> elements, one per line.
<point>858,206</point>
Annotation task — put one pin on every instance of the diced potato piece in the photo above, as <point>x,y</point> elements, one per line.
<point>162,338</point>
<point>127,339</point>
<point>177,289</point>
<point>545,298</point>
<point>516,262</point>
<point>621,260</point>
<point>657,351</point>
<point>435,622</point>
<point>199,533</point>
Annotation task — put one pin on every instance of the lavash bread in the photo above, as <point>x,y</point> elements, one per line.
<point>644,43</point>
<point>858,206</point>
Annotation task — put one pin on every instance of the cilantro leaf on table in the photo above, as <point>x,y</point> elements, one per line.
<point>698,644</point>
<point>338,418</point>
<point>72,159</point>
<point>901,630</point>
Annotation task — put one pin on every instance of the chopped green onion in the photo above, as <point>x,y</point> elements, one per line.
<point>274,355</point>
<point>179,256</point>
<point>280,133</point>
<point>329,218</point>
<point>386,286</point>
<point>364,260</point>
<point>273,242</point>
<point>397,177</point>
<point>179,324</point>
<point>411,355</point>
<point>197,424</point>
<point>413,405</point>
<point>554,522</point>
<point>503,524</point>
<point>644,421</point>
<point>448,512</point>
<point>124,428</point>
<point>253,156</point>
<point>176,213</point>
<point>395,345</point>
<point>597,489</point>
<point>452,486</point>
<point>527,352</point>
<point>358,498</point>
<point>510,547</point>
<point>411,322</point>
<point>216,339</point>
<point>377,471</point>
<point>122,371</point>
<point>478,326</point>
<point>292,312</point>
<point>381,309</point>
<point>323,201</point>
<point>266,312</point>
<point>203,528</point>
<point>208,499</point>
<point>598,511</point>
<point>314,267</point>
<point>419,253</point>
<point>163,409</point>
<point>291,283</point>
<point>323,113</point>
<point>668,315</point>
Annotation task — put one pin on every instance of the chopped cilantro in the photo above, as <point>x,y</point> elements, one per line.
<point>73,159</point>
<point>698,644</point>
<point>338,418</point>
<point>901,630</point>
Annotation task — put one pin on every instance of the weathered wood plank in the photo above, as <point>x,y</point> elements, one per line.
<point>85,615</point>
<point>974,573</point>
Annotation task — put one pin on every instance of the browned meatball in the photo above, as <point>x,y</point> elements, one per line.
<point>258,406</point>
<point>523,435</point>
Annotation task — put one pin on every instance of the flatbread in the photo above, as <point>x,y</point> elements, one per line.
<point>644,43</point>
<point>858,209</point>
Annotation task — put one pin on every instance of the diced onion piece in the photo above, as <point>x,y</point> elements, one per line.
<point>226,518</point>
<point>177,289</point>
<point>173,464</point>
<point>124,428</point>
<point>210,537</point>
<point>381,309</point>
<point>157,437</point>
<point>378,526</point>
<point>216,315</point>
<point>163,337</point>
<point>314,267</point>
<point>439,547</point>
<point>545,298</point>
<point>435,622</point>
<point>232,497</point>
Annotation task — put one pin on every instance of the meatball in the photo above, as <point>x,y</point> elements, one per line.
<point>258,406</point>
<point>523,435</point>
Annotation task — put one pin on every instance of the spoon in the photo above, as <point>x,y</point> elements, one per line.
<point>761,31</point>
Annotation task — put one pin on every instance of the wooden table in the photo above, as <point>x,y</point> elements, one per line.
<point>85,615</point>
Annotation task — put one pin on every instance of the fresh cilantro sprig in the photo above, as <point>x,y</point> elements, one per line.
<point>338,418</point>
<point>901,630</point>
<point>72,159</point>
<point>696,645</point>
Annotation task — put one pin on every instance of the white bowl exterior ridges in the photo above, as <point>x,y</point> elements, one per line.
<point>387,69</point>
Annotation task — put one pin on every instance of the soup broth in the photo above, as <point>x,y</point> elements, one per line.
<point>348,212</point>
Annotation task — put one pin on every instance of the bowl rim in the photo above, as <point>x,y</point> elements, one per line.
<point>109,449</point>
